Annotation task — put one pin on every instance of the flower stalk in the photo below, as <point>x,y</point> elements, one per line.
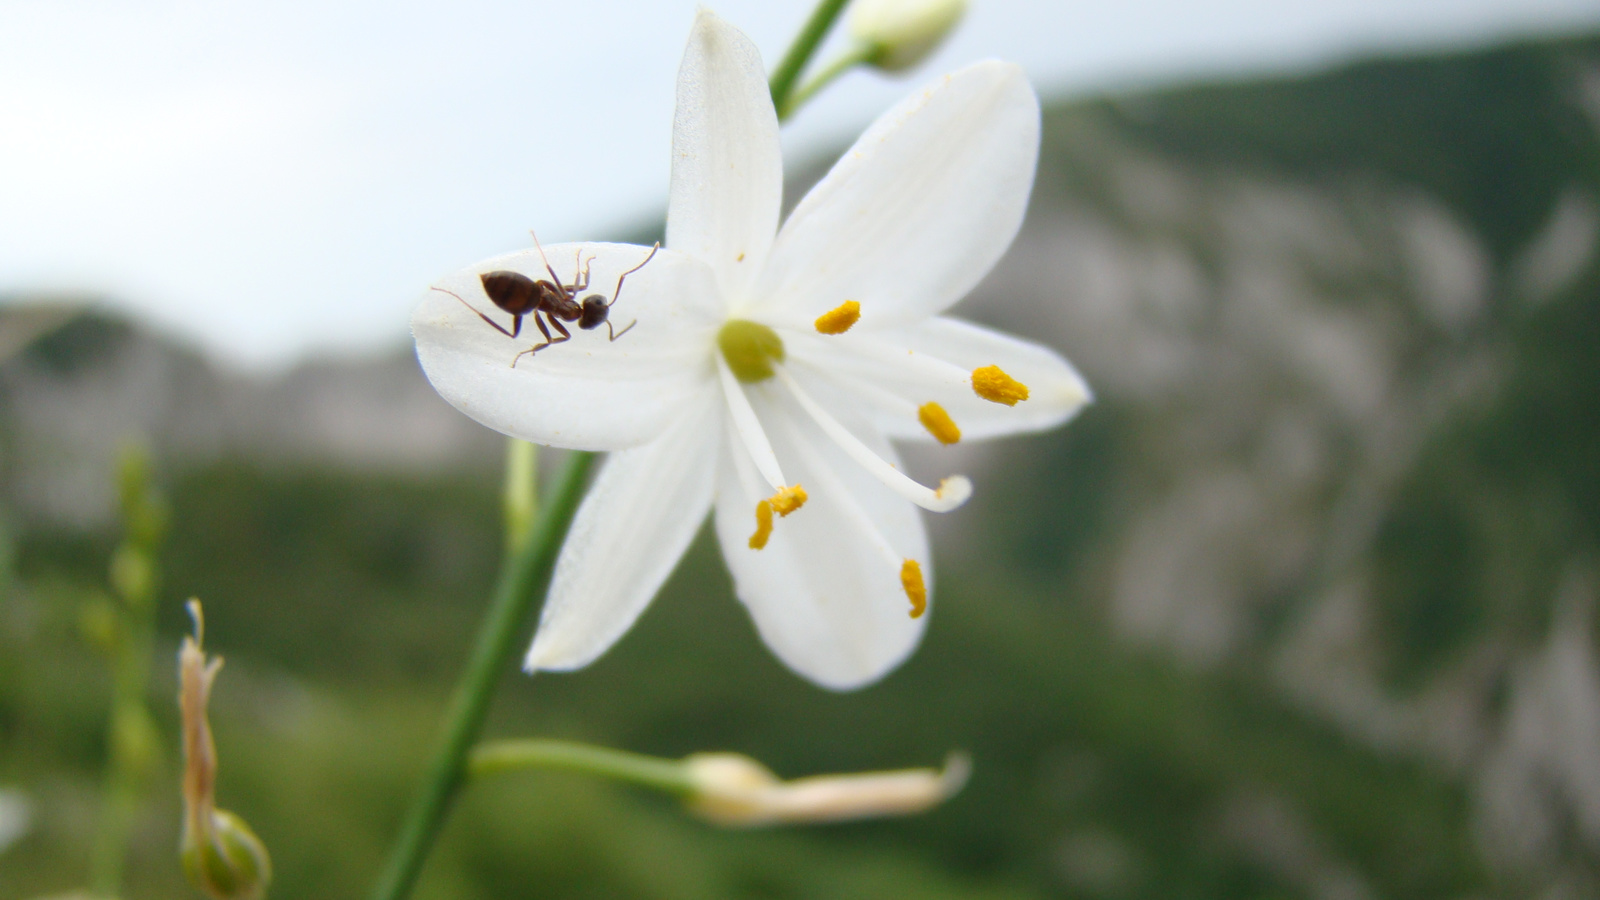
<point>124,630</point>
<point>521,499</point>
<point>524,572</point>
<point>794,62</point>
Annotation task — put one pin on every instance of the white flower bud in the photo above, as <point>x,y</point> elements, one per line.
<point>221,855</point>
<point>731,789</point>
<point>903,32</point>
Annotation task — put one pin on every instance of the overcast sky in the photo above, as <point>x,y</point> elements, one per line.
<point>273,179</point>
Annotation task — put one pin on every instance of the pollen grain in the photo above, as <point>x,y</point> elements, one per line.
<point>763,525</point>
<point>938,422</point>
<point>839,319</point>
<point>993,384</point>
<point>916,590</point>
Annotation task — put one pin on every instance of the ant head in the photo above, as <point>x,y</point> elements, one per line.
<point>513,292</point>
<point>595,310</point>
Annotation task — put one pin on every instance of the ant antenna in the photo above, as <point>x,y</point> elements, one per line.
<point>497,326</point>
<point>616,294</point>
<point>553,276</point>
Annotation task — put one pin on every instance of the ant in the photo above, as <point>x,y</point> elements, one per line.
<point>551,301</point>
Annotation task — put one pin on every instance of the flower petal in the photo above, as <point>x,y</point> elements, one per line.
<point>588,393</point>
<point>639,516</point>
<point>894,372</point>
<point>727,169</point>
<point>917,211</point>
<point>825,593</point>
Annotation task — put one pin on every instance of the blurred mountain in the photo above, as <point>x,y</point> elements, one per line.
<point>88,381</point>
<point>1303,606</point>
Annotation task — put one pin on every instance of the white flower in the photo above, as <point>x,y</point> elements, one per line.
<point>769,368</point>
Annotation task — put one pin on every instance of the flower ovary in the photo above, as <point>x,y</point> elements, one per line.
<point>750,349</point>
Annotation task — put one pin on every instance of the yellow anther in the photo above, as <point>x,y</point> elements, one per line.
<point>938,422</point>
<point>788,499</point>
<point>916,591</point>
<point>763,525</point>
<point>785,501</point>
<point>839,319</point>
<point>991,383</point>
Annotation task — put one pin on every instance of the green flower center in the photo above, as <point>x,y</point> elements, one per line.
<point>750,349</point>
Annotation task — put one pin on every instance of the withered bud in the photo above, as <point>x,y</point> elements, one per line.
<point>221,855</point>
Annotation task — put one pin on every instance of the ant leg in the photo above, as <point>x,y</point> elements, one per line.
<point>617,294</point>
<point>548,340</point>
<point>539,321</point>
<point>623,331</point>
<point>516,321</point>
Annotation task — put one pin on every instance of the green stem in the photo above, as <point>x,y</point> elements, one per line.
<point>494,757</point>
<point>131,746</point>
<point>524,572</point>
<point>521,499</point>
<point>804,47</point>
<point>841,64</point>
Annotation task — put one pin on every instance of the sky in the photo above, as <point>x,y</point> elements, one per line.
<point>276,180</point>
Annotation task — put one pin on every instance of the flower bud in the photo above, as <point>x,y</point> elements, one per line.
<point>220,854</point>
<point>732,789</point>
<point>903,32</point>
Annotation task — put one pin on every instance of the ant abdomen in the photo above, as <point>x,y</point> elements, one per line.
<point>513,292</point>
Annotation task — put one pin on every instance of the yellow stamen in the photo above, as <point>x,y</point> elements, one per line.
<point>788,499</point>
<point>991,383</point>
<point>763,525</point>
<point>785,501</point>
<point>911,580</point>
<point>938,422</point>
<point>839,319</point>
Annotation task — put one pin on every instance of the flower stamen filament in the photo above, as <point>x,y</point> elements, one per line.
<point>952,492</point>
<point>748,427</point>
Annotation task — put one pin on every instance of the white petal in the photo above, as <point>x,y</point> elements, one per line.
<point>588,393</point>
<point>895,372</point>
<point>917,211</point>
<point>727,170</point>
<point>825,592</point>
<point>639,516</point>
